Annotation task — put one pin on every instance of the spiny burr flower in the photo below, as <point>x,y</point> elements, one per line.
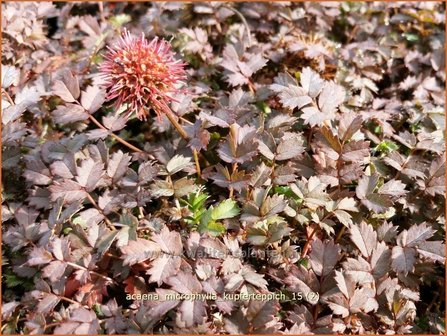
<point>142,74</point>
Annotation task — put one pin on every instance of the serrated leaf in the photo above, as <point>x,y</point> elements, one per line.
<point>178,163</point>
<point>128,232</point>
<point>147,172</point>
<point>432,250</point>
<point>290,146</point>
<point>55,270</point>
<point>139,250</point>
<point>163,267</point>
<point>332,95</point>
<point>105,242</point>
<point>393,188</point>
<point>343,217</point>
<point>380,260</point>
<point>162,188</point>
<point>435,182</point>
<point>345,283</point>
<point>37,173</point>
<point>260,175</point>
<point>256,236</point>
<point>117,165</point>
<point>70,113</point>
<point>185,283</point>
<point>323,256</point>
<point>254,278</point>
<point>89,174</point>
<point>239,146</point>
<point>355,151</point>
<point>67,88</point>
<point>348,204</point>
<point>364,237</point>
<point>169,242</point>
<point>311,82</point>
<point>48,302</point>
<point>39,256</point>
<point>402,259</point>
<point>10,76</point>
<point>376,202</point>
<point>350,123</point>
<point>68,190</point>
<point>415,235</point>
<point>290,94</point>
<point>225,209</point>
<point>93,98</point>
<point>214,228</point>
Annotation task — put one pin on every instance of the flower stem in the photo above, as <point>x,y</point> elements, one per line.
<point>173,119</point>
<point>116,137</point>
<point>176,124</point>
<point>244,22</point>
<point>196,160</point>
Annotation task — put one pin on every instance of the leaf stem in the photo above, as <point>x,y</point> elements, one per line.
<point>340,233</point>
<point>404,165</point>
<point>93,272</point>
<point>309,240</point>
<point>63,298</point>
<point>141,211</point>
<point>8,97</point>
<point>108,222</point>
<point>251,86</point>
<point>232,173</point>
<point>231,192</point>
<point>55,324</point>
<point>116,137</point>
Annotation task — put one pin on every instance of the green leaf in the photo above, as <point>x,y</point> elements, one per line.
<point>386,146</point>
<point>197,201</point>
<point>205,219</point>
<point>378,129</point>
<point>119,20</point>
<point>304,262</point>
<point>264,107</point>
<point>67,230</point>
<point>287,192</point>
<point>97,309</point>
<point>411,37</point>
<point>215,228</point>
<point>80,221</point>
<point>12,280</point>
<point>209,224</point>
<point>196,204</point>
<point>226,209</point>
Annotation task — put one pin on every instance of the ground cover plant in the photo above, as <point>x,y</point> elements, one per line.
<point>223,168</point>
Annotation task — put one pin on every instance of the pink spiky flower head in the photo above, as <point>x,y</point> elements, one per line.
<point>142,74</point>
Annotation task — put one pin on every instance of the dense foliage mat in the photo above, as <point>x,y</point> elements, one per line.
<point>223,167</point>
